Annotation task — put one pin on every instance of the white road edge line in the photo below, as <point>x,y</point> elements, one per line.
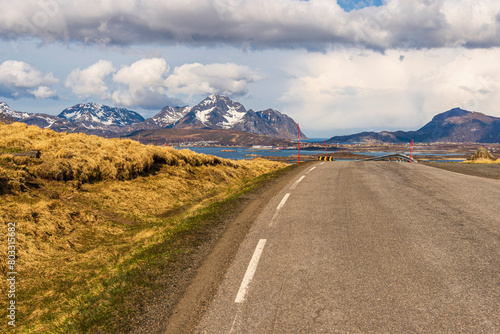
<point>252,266</point>
<point>297,182</point>
<point>283,201</point>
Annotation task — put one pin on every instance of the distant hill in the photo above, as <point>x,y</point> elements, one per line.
<point>215,112</point>
<point>455,125</point>
<point>214,136</point>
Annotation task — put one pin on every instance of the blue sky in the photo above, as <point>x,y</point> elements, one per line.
<point>335,67</point>
<point>349,5</point>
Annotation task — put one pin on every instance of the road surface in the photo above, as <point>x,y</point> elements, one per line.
<point>368,247</point>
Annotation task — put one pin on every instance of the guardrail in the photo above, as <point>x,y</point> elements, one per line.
<point>393,157</point>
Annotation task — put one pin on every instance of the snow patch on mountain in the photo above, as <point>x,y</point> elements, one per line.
<point>170,115</point>
<point>212,99</point>
<point>49,119</point>
<point>202,115</point>
<point>233,117</point>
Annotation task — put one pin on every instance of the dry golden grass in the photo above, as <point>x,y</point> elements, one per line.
<point>88,206</point>
<point>482,161</point>
<point>91,158</point>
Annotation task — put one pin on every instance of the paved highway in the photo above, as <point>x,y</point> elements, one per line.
<point>368,247</point>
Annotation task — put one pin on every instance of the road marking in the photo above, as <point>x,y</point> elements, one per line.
<point>322,163</point>
<point>283,201</point>
<point>252,266</point>
<point>233,326</point>
<point>297,182</point>
<point>310,170</point>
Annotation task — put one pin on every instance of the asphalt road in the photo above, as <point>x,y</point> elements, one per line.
<point>368,247</point>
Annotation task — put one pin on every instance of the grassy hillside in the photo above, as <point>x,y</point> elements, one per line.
<point>97,219</point>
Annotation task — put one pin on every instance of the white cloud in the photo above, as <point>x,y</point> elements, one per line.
<point>261,23</point>
<point>148,84</point>
<point>143,81</point>
<point>356,89</point>
<point>226,79</point>
<point>43,92</point>
<point>19,79</point>
<point>91,80</point>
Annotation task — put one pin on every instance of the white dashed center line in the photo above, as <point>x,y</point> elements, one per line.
<point>297,182</point>
<point>283,201</point>
<point>310,170</point>
<point>252,267</point>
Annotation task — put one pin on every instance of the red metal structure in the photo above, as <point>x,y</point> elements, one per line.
<point>298,139</point>
<point>411,151</point>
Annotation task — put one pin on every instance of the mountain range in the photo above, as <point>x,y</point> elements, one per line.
<point>455,125</point>
<point>218,112</point>
<point>215,112</point>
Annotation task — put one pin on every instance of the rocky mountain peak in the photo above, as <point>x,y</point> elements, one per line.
<point>8,111</point>
<point>100,114</point>
<point>216,111</point>
<point>220,112</point>
<point>169,115</point>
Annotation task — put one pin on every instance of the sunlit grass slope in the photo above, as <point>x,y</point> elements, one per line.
<point>482,161</point>
<point>90,214</point>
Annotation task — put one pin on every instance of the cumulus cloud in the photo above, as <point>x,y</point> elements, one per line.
<point>143,81</point>
<point>364,90</point>
<point>260,23</point>
<point>148,83</point>
<point>90,81</point>
<point>226,79</point>
<point>43,92</point>
<point>19,79</point>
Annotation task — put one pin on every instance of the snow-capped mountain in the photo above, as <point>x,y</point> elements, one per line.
<point>165,118</point>
<point>18,115</point>
<point>88,113</point>
<point>169,115</point>
<point>214,112</point>
<point>220,112</point>
<point>41,120</point>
